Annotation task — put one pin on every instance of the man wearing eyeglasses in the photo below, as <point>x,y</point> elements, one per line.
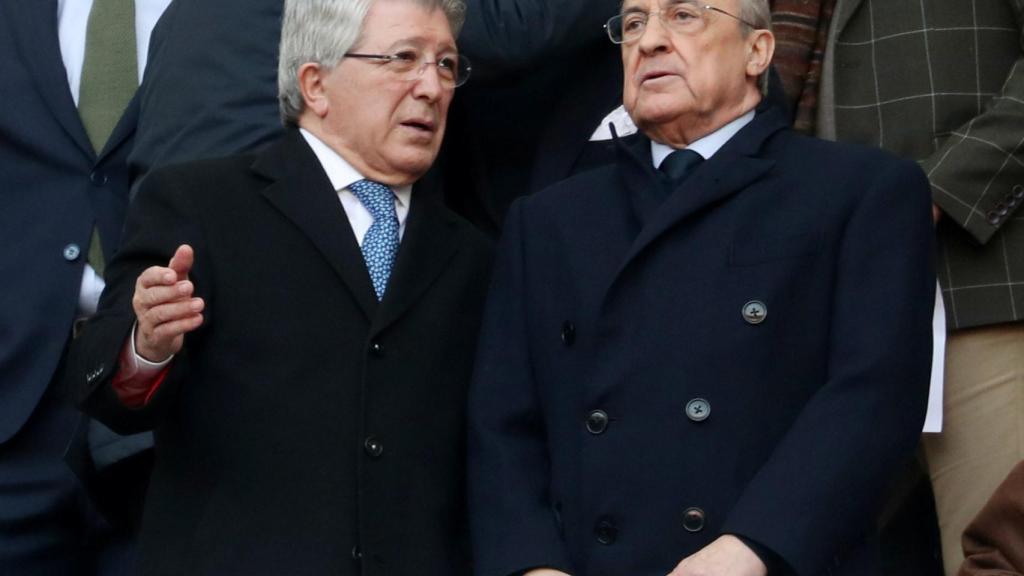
<point>709,357</point>
<point>298,326</point>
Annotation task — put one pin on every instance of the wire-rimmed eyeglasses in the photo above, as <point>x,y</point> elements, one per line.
<point>453,71</point>
<point>682,17</point>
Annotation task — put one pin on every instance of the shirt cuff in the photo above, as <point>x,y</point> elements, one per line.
<point>137,379</point>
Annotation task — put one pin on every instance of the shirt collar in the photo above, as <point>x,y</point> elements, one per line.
<point>706,146</point>
<point>341,173</point>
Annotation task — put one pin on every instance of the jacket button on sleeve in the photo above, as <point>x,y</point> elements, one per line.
<point>597,422</point>
<point>693,519</point>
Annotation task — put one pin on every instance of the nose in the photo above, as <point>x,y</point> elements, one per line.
<point>428,84</point>
<point>655,37</point>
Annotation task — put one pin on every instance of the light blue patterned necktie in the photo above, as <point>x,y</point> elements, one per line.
<point>381,241</point>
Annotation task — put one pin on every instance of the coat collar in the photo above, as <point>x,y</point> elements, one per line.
<point>659,208</point>
<point>34,30</point>
<point>301,191</point>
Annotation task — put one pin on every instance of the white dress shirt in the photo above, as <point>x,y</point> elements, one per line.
<point>706,146</point>
<point>341,175</point>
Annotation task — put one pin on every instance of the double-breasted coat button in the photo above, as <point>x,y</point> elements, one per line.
<point>754,312</point>
<point>698,409</point>
<point>597,422</point>
<point>568,333</point>
<point>377,348</point>
<point>606,532</point>
<point>693,519</point>
<point>72,252</point>
<point>373,447</point>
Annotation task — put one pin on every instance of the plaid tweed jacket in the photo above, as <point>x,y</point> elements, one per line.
<point>942,81</point>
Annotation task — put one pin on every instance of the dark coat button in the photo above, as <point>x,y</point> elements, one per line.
<point>597,422</point>
<point>754,312</point>
<point>373,447</point>
<point>568,333</point>
<point>606,532</point>
<point>993,217</point>
<point>72,252</point>
<point>98,178</point>
<point>1018,192</point>
<point>1002,209</point>
<point>693,519</point>
<point>357,554</point>
<point>698,409</point>
<point>377,348</point>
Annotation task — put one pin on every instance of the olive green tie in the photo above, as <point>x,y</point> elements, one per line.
<point>109,79</point>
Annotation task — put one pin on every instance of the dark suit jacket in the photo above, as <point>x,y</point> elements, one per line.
<point>53,189</point>
<point>530,59</point>
<point>210,87</point>
<point>942,83</point>
<point>619,304</point>
<point>304,424</point>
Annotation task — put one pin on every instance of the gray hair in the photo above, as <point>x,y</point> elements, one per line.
<point>757,13</point>
<point>322,31</point>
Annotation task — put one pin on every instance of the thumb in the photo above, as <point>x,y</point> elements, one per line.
<point>182,260</point>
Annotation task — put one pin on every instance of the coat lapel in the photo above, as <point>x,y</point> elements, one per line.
<point>35,30</point>
<point>428,245</point>
<point>736,166</point>
<point>302,192</point>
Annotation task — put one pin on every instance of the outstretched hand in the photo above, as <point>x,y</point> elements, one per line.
<point>165,308</point>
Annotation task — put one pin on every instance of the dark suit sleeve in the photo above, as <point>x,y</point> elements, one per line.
<point>817,495</point>
<point>512,529</point>
<point>976,175</point>
<point>510,35</point>
<point>158,222</point>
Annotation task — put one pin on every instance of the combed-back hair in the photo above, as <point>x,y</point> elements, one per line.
<point>322,31</point>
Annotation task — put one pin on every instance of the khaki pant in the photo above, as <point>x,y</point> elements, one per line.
<point>983,428</point>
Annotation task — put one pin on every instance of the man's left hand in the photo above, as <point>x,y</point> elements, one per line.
<point>726,556</point>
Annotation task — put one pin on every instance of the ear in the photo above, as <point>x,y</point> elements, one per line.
<point>762,47</point>
<point>311,82</point>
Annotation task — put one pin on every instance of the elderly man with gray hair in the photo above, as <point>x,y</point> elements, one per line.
<point>709,356</point>
<point>297,326</point>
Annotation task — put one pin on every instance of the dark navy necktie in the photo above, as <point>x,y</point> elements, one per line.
<point>381,241</point>
<point>680,164</point>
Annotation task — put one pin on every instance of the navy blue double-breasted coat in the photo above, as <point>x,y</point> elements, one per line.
<point>746,354</point>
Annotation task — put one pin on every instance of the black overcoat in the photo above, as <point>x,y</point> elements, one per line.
<point>746,354</point>
<point>304,428</point>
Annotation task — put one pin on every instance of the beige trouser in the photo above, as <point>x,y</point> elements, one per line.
<point>983,427</point>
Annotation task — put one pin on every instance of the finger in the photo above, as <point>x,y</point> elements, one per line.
<point>182,261</point>
<point>156,276</point>
<point>156,295</point>
<point>172,312</point>
<point>170,330</point>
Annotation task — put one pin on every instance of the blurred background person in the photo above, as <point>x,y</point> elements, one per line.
<point>942,82</point>
<point>71,69</point>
